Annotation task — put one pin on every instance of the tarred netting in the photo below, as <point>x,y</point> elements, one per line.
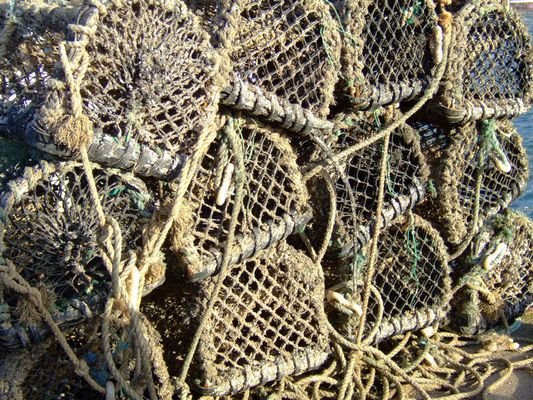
<point>286,48</point>
<point>357,183</point>
<point>411,285</point>
<point>484,168</point>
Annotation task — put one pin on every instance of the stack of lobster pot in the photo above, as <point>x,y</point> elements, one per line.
<point>479,164</point>
<point>268,174</point>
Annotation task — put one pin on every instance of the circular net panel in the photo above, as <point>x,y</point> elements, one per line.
<point>485,167</point>
<point>497,273</point>
<point>50,231</point>
<point>274,204</point>
<point>145,72</point>
<point>28,56</point>
<point>267,323</point>
<point>489,73</point>
<point>150,75</point>
<point>286,48</point>
<point>357,184</point>
<point>386,55</point>
<point>411,284</point>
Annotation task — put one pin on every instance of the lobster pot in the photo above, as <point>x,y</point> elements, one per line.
<point>275,201</point>
<point>484,167</point>
<point>286,49</point>
<point>489,71</point>
<point>410,285</point>
<point>267,323</point>
<point>50,230</point>
<point>503,289</point>
<point>144,71</point>
<point>386,55</point>
<point>357,182</point>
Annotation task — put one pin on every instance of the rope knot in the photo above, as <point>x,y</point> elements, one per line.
<point>75,132</point>
<point>82,369</point>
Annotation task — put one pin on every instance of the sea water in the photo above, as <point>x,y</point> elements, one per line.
<point>524,124</point>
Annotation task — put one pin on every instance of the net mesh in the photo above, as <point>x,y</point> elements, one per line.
<point>475,156</point>
<point>274,204</point>
<point>150,76</point>
<point>411,282</point>
<point>287,48</point>
<point>28,59</point>
<point>357,187</point>
<point>489,73</point>
<point>267,322</point>
<point>50,231</point>
<point>501,290</point>
<point>386,50</point>
<point>145,71</point>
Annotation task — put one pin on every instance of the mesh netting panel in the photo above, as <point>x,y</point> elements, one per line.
<point>386,52</point>
<point>50,231</point>
<point>479,154</point>
<point>29,56</point>
<point>274,204</point>
<point>288,48</point>
<point>146,71</point>
<point>404,187</point>
<point>504,249</point>
<point>150,75</point>
<point>267,323</point>
<point>411,277</point>
<point>489,73</point>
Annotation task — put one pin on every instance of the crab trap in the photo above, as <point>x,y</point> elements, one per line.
<point>356,181</point>
<point>275,202</point>
<point>50,231</point>
<point>489,72</point>
<point>286,49</point>
<point>267,323</point>
<point>410,288</point>
<point>142,72</point>
<point>386,56</point>
<point>497,274</point>
<point>484,168</point>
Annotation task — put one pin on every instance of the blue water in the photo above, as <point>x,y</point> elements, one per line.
<point>524,124</point>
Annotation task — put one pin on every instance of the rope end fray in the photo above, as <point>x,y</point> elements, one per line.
<point>75,133</point>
